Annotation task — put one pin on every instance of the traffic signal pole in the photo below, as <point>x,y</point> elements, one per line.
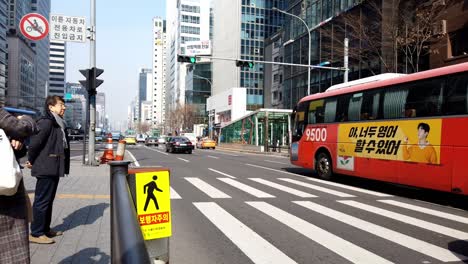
<point>92,96</point>
<point>276,63</point>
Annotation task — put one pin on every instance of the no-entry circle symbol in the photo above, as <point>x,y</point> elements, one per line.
<point>34,26</point>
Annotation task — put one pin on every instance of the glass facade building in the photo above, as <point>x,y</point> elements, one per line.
<point>258,22</point>
<point>315,13</point>
<point>198,89</point>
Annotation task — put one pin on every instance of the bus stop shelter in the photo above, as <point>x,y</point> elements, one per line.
<point>265,130</point>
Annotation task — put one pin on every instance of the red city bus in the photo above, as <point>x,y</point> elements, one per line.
<point>411,129</point>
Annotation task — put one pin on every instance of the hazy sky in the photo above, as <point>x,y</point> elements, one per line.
<point>124,44</point>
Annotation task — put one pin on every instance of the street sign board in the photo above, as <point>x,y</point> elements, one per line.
<point>153,204</point>
<point>34,26</point>
<point>67,28</point>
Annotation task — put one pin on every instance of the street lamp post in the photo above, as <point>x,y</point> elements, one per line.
<point>210,126</point>
<point>310,41</point>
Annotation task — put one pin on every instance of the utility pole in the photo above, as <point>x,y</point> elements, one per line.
<point>92,97</point>
<point>346,49</point>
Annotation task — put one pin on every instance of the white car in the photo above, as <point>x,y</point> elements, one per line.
<point>140,138</point>
<point>162,140</point>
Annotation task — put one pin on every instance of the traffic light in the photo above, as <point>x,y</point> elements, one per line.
<point>249,64</point>
<point>189,59</point>
<point>91,82</point>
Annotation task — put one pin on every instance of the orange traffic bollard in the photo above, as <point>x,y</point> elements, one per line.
<point>108,154</point>
<point>120,150</point>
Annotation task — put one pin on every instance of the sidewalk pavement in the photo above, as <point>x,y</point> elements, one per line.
<point>82,211</point>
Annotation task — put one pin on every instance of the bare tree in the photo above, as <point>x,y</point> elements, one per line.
<point>382,31</point>
<point>418,32</point>
<point>144,127</point>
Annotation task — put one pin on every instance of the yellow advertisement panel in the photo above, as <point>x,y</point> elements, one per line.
<point>409,140</point>
<point>153,204</point>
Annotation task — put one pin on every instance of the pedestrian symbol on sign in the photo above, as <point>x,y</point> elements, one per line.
<point>149,189</point>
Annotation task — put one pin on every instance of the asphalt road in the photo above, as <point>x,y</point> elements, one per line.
<point>230,207</point>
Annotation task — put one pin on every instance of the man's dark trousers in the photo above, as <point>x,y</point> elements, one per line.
<point>46,188</point>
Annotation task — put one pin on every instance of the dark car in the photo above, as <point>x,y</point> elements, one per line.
<point>151,141</point>
<point>179,144</point>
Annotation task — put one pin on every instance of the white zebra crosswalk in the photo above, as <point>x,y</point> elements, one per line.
<point>261,250</point>
<point>416,237</point>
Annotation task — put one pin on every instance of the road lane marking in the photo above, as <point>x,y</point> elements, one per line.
<point>134,159</point>
<point>213,157</point>
<point>222,173</point>
<point>223,153</point>
<point>207,188</point>
<point>420,209</point>
<point>284,188</point>
<point>318,188</point>
<point>322,237</point>
<point>277,162</point>
<point>356,189</point>
<point>409,220</point>
<point>253,245</point>
<point>184,159</point>
<point>174,194</point>
<point>246,188</point>
<point>155,150</point>
<point>417,245</point>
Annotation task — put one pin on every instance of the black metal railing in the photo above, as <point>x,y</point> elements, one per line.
<point>127,244</point>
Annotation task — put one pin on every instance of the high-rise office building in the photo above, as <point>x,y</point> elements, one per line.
<point>101,110</point>
<point>28,61</point>
<point>57,68</point>
<point>22,65</point>
<point>75,115</point>
<point>159,71</point>
<point>145,88</point>
<point>41,47</point>
<point>3,50</point>
<point>187,21</point>
<point>239,30</point>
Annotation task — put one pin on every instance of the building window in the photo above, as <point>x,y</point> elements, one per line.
<point>190,30</point>
<point>459,42</point>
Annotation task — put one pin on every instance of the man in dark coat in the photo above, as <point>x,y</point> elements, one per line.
<point>49,158</point>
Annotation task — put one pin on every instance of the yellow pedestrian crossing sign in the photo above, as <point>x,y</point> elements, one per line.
<point>153,204</point>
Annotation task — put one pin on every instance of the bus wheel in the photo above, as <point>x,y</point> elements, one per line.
<point>323,166</point>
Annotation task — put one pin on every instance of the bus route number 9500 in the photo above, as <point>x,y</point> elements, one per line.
<point>316,134</point>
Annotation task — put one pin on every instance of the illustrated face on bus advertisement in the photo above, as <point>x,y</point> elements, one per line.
<point>412,140</point>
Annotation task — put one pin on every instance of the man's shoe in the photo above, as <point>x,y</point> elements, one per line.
<point>53,233</point>
<point>41,240</point>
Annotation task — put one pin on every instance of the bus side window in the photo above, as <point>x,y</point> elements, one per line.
<point>394,103</point>
<point>456,96</point>
<point>316,112</point>
<point>370,106</point>
<point>354,110</point>
<point>330,110</point>
<point>342,107</point>
<point>424,98</point>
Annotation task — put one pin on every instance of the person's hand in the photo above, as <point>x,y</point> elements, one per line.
<point>16,145</point>
<point>28,165</point>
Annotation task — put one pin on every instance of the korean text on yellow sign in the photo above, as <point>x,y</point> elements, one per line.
<point>153,204</point>
<point>415,140</point>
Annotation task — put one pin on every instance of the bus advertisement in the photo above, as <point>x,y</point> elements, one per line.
<point>408,130</point>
